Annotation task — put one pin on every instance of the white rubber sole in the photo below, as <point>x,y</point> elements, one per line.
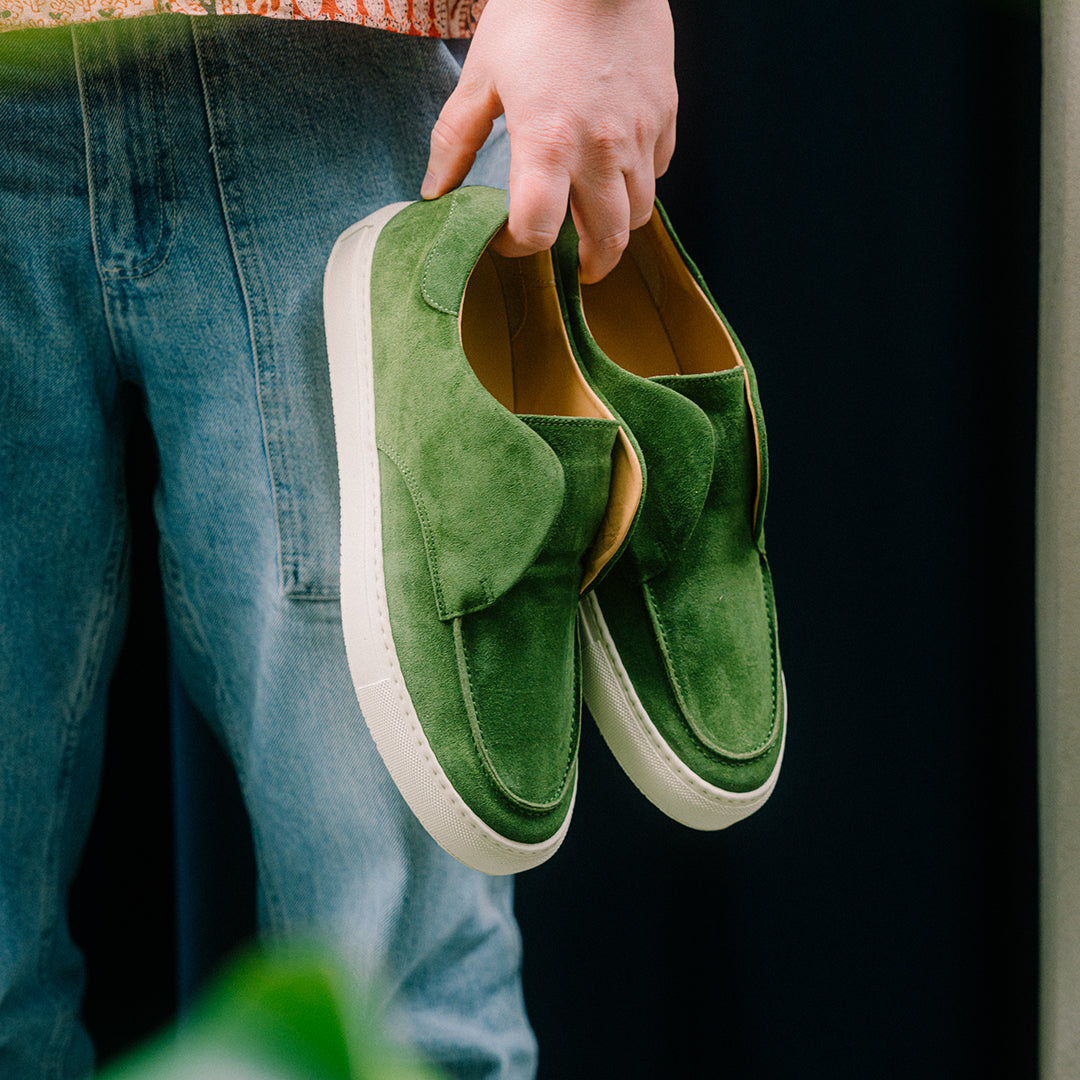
<point>369,644</point>
<point>662,777</point>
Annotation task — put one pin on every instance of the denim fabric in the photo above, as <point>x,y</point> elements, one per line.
<point>170,189</point>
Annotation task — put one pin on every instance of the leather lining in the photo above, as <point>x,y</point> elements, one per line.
<point>650,315</point>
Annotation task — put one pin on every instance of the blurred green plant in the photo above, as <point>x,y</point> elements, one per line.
<point>275,1015</point>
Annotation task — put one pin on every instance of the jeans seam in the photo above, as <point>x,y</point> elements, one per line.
<point>168,208</point>
<point>95,236</point>
<point>301,573</point>
<point>259,347</point>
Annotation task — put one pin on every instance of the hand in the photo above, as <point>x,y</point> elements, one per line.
<point>588,88</point>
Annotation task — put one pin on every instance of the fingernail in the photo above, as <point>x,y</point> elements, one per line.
<point>430,187</point>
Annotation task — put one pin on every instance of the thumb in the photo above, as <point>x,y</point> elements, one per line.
<point>459,132</point>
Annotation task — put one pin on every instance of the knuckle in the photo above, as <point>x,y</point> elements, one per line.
<point>611,243</point>
<point>553,138</point>
<point>610,146</point>
<point>605,142</point>
<point>444,135</point>
<point>607,139</point>
<point>564,137</point>
<point>536,236</point>
<point>645,134</point>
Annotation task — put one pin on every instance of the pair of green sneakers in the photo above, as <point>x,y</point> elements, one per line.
<point>547,492</point>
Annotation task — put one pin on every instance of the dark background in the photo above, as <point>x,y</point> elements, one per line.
<point>859,184</point>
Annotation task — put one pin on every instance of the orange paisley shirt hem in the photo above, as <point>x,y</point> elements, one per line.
<point>420,18</point>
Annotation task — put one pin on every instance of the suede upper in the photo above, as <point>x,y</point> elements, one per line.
<point>690,609</point>
<point>472,468</point>
<point>487,517</point>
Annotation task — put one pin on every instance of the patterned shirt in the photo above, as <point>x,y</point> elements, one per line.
<point>427,18</point>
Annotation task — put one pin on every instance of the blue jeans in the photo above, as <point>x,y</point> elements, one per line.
<point>170,189</point>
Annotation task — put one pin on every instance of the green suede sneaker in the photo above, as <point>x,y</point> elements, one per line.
<point>681,661</point>
<point>483,486</point>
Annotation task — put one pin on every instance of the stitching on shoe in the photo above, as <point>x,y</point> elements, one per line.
<point>413,487</point>
<point>770,608</point>
<point>729,757</point>
<point>431,256</point>
<point>465,677</point>
<point>652,733</point>
<point>421,512</point>
<point>438,774</point>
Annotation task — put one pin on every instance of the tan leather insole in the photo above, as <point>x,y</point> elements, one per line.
<point>650,316</point>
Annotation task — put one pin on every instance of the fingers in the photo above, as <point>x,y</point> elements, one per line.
<point>605,214</point>
<point>602,219</point>
<point>550,173</point>
<point>609,202</point>
<point>539,191</point>
<point>589,94</point>
<point>463,125</point>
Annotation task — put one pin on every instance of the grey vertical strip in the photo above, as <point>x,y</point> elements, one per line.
<point>1058,543</point>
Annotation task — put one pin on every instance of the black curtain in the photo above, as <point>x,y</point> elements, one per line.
<point>859,184</point>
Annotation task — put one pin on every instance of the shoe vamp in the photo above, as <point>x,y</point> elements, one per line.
<point>714,626</point>
<point>699,640</point>
<point>519,668</point>
<point>713,606</point>
<point>428,653</point>
<point>519,657</point>
<point>626,609</point>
